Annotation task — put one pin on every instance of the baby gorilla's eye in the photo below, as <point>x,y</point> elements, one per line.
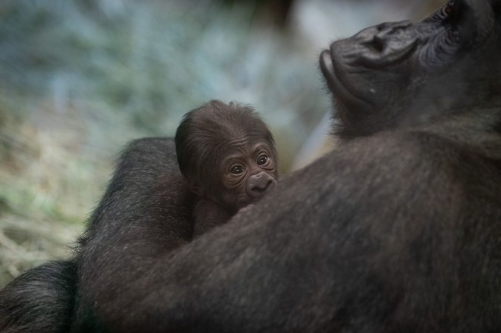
<point>237,169</point>
<point>262,159</point>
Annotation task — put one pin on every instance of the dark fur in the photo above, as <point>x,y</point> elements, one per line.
<point>396,231</point>
<point>411,247</point>
<point>207,215</point>
<point>40,300</point>
<point>143,216</point>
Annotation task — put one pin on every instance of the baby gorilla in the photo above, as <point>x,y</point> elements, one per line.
<point>227,155</point>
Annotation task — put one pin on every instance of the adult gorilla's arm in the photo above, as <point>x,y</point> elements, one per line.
<point>144,215</point>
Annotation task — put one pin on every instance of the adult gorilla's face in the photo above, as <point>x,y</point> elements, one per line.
<point>378,75</point>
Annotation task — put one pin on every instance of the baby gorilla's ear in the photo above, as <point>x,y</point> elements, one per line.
<point>196,188</point>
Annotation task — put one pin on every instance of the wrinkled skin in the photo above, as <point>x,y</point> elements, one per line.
<point>395,231</point>
<point>248,172</point>
<point>401,74</point>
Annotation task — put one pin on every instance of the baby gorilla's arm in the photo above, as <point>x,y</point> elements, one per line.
<point>208,215</point>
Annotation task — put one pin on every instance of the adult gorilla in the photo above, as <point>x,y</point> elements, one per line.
<point>395,231</point>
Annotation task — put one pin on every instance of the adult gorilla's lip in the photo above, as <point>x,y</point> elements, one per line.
<point>336,86</point>
<point>327,68</point>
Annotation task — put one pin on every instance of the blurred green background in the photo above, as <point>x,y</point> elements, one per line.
<point>81,78</point>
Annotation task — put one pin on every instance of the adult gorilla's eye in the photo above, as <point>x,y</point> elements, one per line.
<point>237,169</point>
<point>449,8</point>
<point>450,16</point>
<point>262,159</point>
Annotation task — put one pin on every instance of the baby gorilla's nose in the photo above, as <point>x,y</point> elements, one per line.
<point>259,184</point>
<point>260,188</point>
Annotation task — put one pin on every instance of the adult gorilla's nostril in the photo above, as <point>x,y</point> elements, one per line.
<point>378,42</point>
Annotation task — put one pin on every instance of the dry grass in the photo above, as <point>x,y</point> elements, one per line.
<point>25,243</point>
<point>47,189</point>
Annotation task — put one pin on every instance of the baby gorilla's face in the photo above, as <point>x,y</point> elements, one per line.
<point>246,172</point>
